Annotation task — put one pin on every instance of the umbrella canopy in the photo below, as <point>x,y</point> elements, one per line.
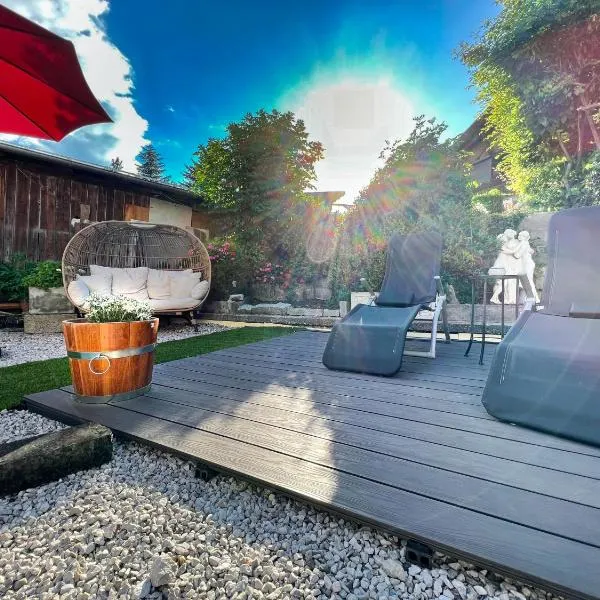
<point>43,92</point>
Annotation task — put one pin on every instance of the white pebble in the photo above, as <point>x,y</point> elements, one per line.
<point>143,526</point>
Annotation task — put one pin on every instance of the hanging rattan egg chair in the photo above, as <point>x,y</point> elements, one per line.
<point>127,245</point>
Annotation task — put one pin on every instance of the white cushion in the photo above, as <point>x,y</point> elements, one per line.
<point>200,290</point>
<point>97,284</point>
<point>182,283</point>
<point>98,270</point>
<point>130,283</point>
<point>159,283</point>
<point>78,292</point>
<point>159,304</point>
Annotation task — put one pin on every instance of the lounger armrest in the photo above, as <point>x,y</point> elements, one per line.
<point>529,293</point>
<point>441,292</point>
<point>581,311</point>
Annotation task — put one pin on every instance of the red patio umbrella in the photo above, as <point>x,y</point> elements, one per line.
<point>43,92</point>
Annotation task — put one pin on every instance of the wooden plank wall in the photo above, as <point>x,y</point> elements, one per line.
<point>36,209</point>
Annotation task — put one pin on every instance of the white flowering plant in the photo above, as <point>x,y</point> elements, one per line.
<point>113,309</point>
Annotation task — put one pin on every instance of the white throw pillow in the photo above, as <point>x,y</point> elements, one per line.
<point>159,284</point>
<point>131,283</point>
<point>183,282</point>
<point>200,290</point>
<point>97,284</point>
<point>78,292</point>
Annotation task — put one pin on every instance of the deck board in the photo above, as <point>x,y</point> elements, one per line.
<point>574,488</point>
<point>416,454</point>
<point>362,415</point>
<point>321,382</point>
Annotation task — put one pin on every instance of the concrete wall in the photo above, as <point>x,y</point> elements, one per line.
<point>537,225</point>
<point>169,213</point>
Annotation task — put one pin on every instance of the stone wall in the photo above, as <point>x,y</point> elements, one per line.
<point>303,292</point>
<point>459,315</point>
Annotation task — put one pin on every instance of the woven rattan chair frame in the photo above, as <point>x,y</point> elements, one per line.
<point>126,244</point>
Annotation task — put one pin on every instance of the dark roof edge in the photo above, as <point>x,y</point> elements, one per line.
<point>64,161</point>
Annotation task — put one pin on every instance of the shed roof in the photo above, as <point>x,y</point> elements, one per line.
<point>64,164</point>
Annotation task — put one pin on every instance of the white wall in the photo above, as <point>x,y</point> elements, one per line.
<point>168,213</point>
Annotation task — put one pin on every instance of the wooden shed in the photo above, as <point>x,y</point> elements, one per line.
<point>45,199</point>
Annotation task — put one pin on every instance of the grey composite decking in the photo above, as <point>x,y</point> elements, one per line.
<point>415,454</point>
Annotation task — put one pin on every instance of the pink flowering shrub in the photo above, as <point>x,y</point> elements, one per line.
<point>273,274</point>
<point>224,267</point>
<point>221,249</point>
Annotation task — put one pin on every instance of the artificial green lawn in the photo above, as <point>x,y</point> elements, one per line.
<point>18,380</point>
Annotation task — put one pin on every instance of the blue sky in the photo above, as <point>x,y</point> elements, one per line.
<point>176,72</point>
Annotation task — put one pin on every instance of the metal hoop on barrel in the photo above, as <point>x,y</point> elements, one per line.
<point>99,356</point>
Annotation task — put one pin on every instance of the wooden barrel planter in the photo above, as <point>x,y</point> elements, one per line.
<point>110,361</point>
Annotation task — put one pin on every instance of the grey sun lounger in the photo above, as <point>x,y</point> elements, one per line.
<point>371,338</point>
<point>546,372</point>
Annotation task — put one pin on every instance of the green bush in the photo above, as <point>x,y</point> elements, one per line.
<point>591,180</point>
<point>492,200</point>
<point>47,274</point>
<point>303,273</point>
<point>553,187</point>
<point>12,274</point>
<point>470,247</point>
<point>374,269</point>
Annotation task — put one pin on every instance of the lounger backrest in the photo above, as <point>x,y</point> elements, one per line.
<point>412,263</point>
<point>572,281</point>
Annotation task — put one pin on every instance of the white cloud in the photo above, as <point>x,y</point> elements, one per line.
<point>170,109</point>
<point>352,116</point>
<point>108,73</point>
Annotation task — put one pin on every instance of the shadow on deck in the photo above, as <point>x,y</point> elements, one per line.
<point>415,454</point>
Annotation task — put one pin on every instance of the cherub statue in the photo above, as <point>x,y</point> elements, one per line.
<point>524,253</point>
<point>507,264</point>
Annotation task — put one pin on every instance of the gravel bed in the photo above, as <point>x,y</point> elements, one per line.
<point>143,526</point>
<point>18,347</point>
<point>20,424</point>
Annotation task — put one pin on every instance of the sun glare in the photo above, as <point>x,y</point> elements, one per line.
<point>353,117</point>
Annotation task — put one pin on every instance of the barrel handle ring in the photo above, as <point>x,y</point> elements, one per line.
<point>100,355</point>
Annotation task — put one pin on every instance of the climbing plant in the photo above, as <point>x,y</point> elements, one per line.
<point>536,68</point>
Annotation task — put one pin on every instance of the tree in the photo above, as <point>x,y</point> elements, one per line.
<point>536,67</point>
<point>150,164</point>
<point>414,174</point>
<point>423,185</point>
<point>116,164</point>
<point>264,158</point>
<point>209,174</point>
<point>259,172</point>
<point>189,176</point>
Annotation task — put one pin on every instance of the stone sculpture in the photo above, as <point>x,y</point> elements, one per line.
<point>514,258</point>
<point>525,254</point>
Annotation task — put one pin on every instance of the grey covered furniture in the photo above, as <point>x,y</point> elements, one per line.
<point>546,372</point>
<point>370,339</point>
